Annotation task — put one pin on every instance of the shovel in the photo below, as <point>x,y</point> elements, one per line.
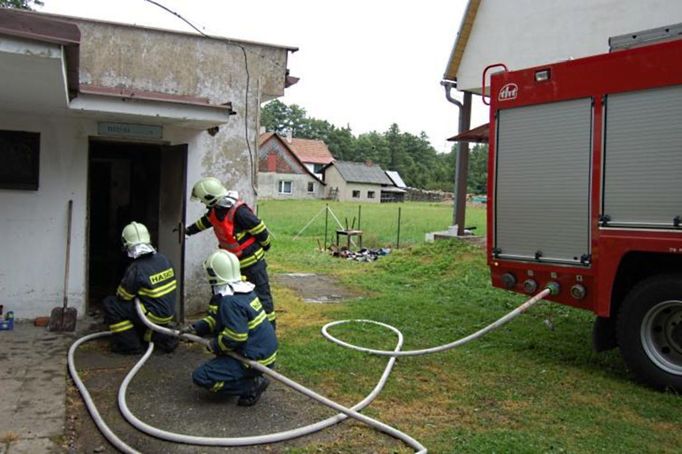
<point>64,318</point>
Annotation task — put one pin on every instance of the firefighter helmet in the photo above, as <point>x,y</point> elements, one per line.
<point>135,233</point>
<point>208,191</point>
<point>222,268</point>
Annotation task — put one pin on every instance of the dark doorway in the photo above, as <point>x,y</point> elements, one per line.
<point>132,182</point>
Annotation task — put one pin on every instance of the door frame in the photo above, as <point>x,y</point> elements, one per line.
<point>163,145</point>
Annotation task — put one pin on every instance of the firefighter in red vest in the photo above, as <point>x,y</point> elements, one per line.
<point>239,231</point>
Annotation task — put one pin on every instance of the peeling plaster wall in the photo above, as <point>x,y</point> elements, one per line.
<point>177,63</point>
<point>189,65</point>
<point>34,223</point>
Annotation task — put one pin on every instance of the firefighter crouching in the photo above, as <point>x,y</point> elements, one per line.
<point>151,278</point>
<point>239,231</point>
<point>237,322</point>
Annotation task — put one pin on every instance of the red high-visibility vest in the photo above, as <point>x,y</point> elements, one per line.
<point>224,231</point>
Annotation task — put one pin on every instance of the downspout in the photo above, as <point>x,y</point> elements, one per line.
<point>462,161</point>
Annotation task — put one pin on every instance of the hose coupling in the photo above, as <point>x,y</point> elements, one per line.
<point>553,287</point>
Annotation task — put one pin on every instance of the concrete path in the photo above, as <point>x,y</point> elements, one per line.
<point>32,389</point>
<point>163,395</point>
<point>41,411</point>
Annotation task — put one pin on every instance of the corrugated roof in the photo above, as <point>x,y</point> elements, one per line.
<point>396,178</point>
<point>359,172</point>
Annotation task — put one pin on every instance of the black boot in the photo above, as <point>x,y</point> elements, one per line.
<point>165,342</point>
<point>260,384</point>
<point>126,343</point>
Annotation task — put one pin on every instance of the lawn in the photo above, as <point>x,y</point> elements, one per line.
<point>524,388</point>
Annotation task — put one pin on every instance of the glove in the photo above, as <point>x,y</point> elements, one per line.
<point>212,347</point>
<point>187,329</point>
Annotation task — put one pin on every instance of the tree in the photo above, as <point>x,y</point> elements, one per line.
<point>412,156</point>
<point>274,117</point>
<point>280,118</point>
<point>20,4</point>
<point>341,143</point>
<point>372,146</point>
<point>477,182</point>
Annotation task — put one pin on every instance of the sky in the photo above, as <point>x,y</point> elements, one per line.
<point>364,64</point>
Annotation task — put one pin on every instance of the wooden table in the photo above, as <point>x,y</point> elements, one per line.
<point>349,234</point>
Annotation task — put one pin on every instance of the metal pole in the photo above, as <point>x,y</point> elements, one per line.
<point>462,167</point>
<point>397,245</point>
<point>326,223</point>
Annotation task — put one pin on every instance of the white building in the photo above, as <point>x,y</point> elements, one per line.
<point>526,33</point>
<point>121,120</point>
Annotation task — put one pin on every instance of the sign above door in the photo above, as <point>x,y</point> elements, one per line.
<point>129,130</point>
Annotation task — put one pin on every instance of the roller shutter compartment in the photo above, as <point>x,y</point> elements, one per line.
<point>542,185</point>
<point>643,158</point>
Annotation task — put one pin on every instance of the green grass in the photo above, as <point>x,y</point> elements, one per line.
<point>521,389</point>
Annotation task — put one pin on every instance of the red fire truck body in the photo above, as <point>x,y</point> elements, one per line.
<point>584,189</point>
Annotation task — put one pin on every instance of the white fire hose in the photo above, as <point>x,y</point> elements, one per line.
<point>344,412</point>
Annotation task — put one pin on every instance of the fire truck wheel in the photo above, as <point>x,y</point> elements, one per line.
<point>649,331</point>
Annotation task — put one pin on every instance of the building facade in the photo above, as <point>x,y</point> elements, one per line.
<point>120,120</point>
<point>281,174</point>
<point>359,182</point>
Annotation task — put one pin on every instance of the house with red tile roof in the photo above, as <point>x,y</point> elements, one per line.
<point>287,167</point>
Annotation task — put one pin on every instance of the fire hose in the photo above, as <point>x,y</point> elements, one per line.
<point>344,412</point>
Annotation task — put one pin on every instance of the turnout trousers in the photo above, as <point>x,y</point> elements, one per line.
<point>129,333</point>
<point>226,375</point>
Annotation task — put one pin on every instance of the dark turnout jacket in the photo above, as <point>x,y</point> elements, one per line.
<point>239,324</point>
<point>151,278</point>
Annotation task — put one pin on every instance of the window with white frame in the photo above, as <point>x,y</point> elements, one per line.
<point>285,187</point>
<point>370,194</point>
<point>356,194</point>
<point>311,186</point>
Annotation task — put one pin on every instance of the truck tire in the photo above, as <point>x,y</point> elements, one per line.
<point>649,330</point>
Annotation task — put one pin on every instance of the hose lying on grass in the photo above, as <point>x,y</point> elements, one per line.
<point>344,412</point>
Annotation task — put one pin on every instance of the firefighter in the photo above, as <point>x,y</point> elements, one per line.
<point>239,231</point>
<point>151,278</point>
<point>237,322</point>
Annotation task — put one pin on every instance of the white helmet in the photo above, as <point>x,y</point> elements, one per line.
<point>222,269</point>
<point>135,233</point>
<point>208,191</point>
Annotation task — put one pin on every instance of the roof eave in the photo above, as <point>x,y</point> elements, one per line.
<point>462,40</point>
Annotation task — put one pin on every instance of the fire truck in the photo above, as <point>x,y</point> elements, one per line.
<point>585,192</point>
